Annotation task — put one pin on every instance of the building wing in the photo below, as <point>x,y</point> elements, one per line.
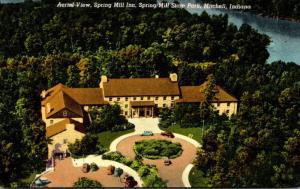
<point>61,97</point>
<point>196,94</point>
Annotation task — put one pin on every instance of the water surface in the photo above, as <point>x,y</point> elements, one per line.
<point>285,35</point>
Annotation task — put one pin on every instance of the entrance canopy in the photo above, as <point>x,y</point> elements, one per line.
<point>141,103</point>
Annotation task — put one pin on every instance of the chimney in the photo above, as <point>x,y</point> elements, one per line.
<point>103,80</point>
<point>43,94</point>
<point>173,77</point>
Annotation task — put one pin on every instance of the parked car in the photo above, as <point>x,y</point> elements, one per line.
<point>110,170</point>
<point>85,168</point>
<point>147,133</point>
<point>167,134</point>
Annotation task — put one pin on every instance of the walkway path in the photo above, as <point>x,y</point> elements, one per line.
<point>185,175</point>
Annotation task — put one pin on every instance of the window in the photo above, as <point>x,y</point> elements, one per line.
<point>228,104</point>
<point>148,98</point>
<point>65,113</point>
<point>65,141</point>
<point>110,99</point>
<point>126,105</point>
<point>227,111</point>
<point>126,113</point>
<point>133,113</point>
<point>156,98</point>
<point>165,98</point>
<point>142,98</point>
<point>172,104</point>
<point>172,97</point>
<point>164,105</point>
<point>126,98</point>
<point>118,99</point>
<point>218,104</point>
<point>134,98</point>
<point>51,121</point>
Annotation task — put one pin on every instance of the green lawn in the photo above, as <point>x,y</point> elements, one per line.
<point>107,137</point>
<point>193,132</point>
<point>196,178</point>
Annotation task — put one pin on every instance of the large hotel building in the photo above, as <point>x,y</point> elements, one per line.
<point>66,110</point>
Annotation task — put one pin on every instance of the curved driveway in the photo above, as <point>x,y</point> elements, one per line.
<point>173,172</point>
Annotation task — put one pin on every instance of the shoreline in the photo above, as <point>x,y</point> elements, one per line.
<point>275,17</point>
<point>264,15</point>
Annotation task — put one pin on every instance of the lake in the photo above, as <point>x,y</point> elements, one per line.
<point>285,35</point>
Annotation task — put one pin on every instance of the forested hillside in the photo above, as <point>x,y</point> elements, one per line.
<point>287,9</point>
<point>42,45</point>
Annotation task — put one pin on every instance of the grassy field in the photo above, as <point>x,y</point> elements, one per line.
<point>196,178</point>
<point>107,137</point>
<point>194,132</point>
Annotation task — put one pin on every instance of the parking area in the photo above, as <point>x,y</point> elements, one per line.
<point>65,174</point>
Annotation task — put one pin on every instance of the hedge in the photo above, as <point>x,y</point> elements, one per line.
<point>157,149</point>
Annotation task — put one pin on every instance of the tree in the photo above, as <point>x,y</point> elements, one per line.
<point>206,107</point>
<point>84,182</point>
<point>155,182</point>
<point>106,118</point>
<point>87,145</point>
<point>73,76</point>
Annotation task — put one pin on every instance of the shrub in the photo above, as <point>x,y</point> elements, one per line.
<point>138,157</point>
<point>94,167</point>
<point>154,181</point>
<point>84,182</point>
<point>122,127</point>
<point>126,161</point>
<point>115,156</point>
<point>136,164</point>
<point>143,171</point>
<point>164,123</point>
<point>156,149</point>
